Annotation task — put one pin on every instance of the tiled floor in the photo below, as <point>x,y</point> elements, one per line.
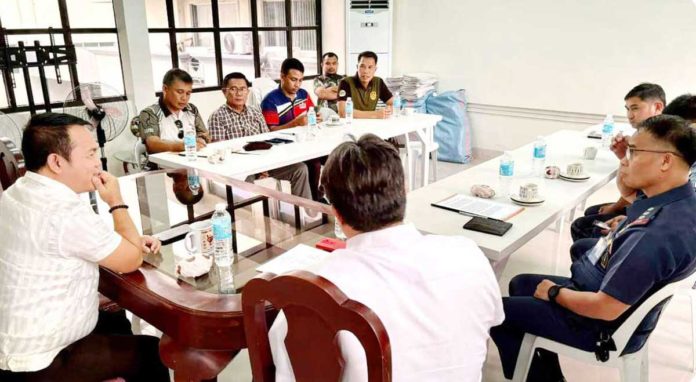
<point>670,344</point>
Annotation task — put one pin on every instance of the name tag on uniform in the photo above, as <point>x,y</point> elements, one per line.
<point>598,250</point>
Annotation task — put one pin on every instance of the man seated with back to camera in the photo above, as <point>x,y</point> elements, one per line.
<point>52,246</point>
<point>415,283</point>
<point>653,247</point>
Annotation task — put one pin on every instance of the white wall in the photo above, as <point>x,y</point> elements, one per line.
<point>526,63</point>
<point>333,32</point>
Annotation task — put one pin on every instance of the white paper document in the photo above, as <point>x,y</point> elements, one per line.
<point>479,207</point>
<point>301,257</point>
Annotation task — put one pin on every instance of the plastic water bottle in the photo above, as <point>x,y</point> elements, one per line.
<point>506,171</point>
<point>539,156</point>
<point>607,130</point>
<point>222,245</point>
<point>190,142</point>
<point>312,123</point>
<point>338,231</point>
<point>349,110</point>
<point>194,182</point>
<point>396,105</point>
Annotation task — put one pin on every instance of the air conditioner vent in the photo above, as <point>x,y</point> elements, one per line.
<point>369,4</point>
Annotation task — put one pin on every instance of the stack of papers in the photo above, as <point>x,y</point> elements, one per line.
<point>470,206</point>
<point>301,257</point>
<point>416,86</point>
<point>394,84</point>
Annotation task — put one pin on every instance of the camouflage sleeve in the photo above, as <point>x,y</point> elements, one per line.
<point>318,83</point>
<point>149,125</point>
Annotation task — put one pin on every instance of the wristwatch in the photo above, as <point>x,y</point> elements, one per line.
<point>553,292</point>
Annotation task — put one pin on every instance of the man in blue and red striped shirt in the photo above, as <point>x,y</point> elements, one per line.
<point>287,106</point>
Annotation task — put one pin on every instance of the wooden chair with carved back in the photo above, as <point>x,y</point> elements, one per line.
<point>315,310</point>
<point>11,162</point>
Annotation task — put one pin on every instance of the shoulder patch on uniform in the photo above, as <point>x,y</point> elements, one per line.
<point>645,218</point>
<point>342,93</point>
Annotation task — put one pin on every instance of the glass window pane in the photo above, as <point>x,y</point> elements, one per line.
<point>304,48</point>
<point>4,101</point>
<point>98,59</point>
<point>56,91</point>
<point>161,57</point>
<point>28,39</point>
<point>234,13</point>
<point>237,53</point>
<point>304,13</point>
<point>81,13</point>
<point>29,14</point>
<point>197,57</point>
<point>273,50</point>
<point>193,14</point>
<point>271,13</point>
<point>156,11</point>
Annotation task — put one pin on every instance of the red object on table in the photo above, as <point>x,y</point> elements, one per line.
<point>330,245</point>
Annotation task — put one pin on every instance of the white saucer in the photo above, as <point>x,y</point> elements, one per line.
<point>574,178</point>
<point>331,124</point>
<point>515,198</point>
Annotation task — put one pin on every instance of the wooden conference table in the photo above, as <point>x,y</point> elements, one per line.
<point>239,165</point>
<point>202,329</point>
<point>564,147</point>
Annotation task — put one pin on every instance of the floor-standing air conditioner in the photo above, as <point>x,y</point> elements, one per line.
<point>369,27</point>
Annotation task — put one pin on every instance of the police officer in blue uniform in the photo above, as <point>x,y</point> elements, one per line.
<point>654,246</point>
<point>683,106</point>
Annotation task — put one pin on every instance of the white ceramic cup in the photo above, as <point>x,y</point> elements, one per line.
<point>200,240</point>
<point>408,111</point>
<point>590,153</point>
<point>529,191</point>
<point>575,169</point>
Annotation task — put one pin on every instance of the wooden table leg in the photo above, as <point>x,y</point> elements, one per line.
<point>193,364</point>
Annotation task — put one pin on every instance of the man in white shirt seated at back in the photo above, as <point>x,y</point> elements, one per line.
<point>437,296</point>
<point>52,247</point>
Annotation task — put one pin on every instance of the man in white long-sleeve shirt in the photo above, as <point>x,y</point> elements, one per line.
<point>51,250</point>
<point>437,296</point>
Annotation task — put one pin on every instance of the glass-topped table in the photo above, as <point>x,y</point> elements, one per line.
<point>196,320</point>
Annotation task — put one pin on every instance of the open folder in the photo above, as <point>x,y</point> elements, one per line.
<point>471,206</point>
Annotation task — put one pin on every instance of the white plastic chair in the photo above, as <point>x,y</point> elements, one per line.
<point>260,87</point>
<point>632,367</point>
<point>428,148</point>
<point>140,154</point>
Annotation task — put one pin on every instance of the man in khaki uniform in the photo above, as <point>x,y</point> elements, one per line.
<point>365,89</point>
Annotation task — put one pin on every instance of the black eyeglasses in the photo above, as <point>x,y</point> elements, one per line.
<point>631,150</point>
<point>180,126</point>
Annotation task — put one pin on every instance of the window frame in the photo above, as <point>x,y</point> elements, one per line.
<point>254,29</point>
<point>67,32</point>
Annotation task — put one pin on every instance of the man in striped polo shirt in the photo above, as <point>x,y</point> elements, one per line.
<point>287,107</point>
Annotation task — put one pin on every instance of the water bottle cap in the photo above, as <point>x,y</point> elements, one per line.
<point>220,206</point>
